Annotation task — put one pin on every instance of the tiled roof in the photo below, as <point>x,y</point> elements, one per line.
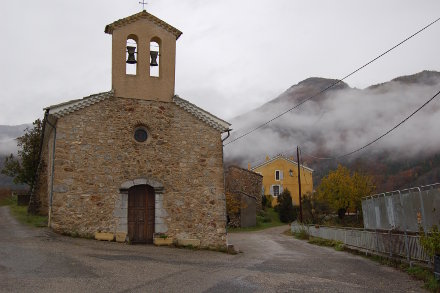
<point>280,157</point>
<point>203,115</point>
<point>142,15</point>
<point>63,109</point>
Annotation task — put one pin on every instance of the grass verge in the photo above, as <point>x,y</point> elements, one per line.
<point>301,234</point>
<point>266,219</point>
<point>337,245</point>
<point>21,214</point>
<point>426,275</point>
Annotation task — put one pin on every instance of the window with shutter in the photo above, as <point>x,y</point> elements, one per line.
<point>276,190</point>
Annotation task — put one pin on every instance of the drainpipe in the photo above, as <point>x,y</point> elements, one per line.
<point>52,172</point>
<point>31,206</point>
<point>224,179</point>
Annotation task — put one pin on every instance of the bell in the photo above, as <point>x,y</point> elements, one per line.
<point>131,58</point>
<point>153,55</point>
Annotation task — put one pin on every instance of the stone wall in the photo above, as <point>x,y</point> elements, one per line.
<point>242,180</point>
<point>96,155</point>
<point>240,184</point>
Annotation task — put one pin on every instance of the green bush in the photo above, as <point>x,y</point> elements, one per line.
<point>431,241</point>
<point>267,201</point>
<point>263,201</point>
<point>285,207</point>
<point>301,234</point>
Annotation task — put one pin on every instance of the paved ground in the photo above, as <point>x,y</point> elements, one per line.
<point>39,261</point>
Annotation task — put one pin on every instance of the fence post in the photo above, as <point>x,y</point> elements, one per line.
<point>390,246</point>
<point>408,256</point>
<point>377,242</point>
<point>422,209</point>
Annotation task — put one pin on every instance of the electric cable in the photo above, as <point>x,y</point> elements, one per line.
<point>333,84</point>
<point>380,137</point>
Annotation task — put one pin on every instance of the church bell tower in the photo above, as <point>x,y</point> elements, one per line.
<point>143,57</point>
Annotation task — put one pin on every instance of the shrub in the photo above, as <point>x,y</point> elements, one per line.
<point>431,241</point>
<point>285,207</point>
<point>301,234</point>
<point>263,201</point>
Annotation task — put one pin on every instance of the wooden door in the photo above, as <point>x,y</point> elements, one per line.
<point>141,214</point>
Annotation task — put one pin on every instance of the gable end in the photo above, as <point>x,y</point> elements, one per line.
<point>201,114</point>
<point>63,109</point>
<point>142,15</point>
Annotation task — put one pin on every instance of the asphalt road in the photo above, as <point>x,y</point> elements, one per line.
<point>37,260</point>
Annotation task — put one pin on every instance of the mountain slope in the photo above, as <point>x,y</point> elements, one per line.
<point>8,145</point>
<point>344,119</point>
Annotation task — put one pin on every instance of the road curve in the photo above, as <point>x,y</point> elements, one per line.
<point>37,260</point>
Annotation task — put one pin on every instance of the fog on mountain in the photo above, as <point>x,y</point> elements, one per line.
<point>342,120</point>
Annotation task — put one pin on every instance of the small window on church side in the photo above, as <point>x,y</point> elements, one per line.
<point>140,134</point>
<point>131,56</point>
<point>154,57</point>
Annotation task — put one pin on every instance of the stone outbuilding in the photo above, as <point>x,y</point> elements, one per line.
<point>137,160</point>
<point>243,196</point>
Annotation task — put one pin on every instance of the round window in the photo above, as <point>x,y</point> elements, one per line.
<point>140,135</point>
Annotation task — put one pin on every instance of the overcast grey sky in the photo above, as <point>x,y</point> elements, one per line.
<point>232,56</point>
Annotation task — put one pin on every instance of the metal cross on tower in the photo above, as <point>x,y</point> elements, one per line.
<point>143,4</point>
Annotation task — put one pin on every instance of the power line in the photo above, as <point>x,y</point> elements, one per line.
<point>380,137</point>
<point>333,84</point>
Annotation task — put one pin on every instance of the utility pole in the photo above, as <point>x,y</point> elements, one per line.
<point>299,186</point>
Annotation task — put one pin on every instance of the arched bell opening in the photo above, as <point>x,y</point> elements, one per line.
<point>131,55</point>
<point>155,57</point>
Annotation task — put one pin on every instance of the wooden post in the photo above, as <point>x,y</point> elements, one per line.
<point>299,186</point>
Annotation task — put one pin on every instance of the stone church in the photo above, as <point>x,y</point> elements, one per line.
<point>138,160</point>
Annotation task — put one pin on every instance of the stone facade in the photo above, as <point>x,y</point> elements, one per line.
<point>97,160</point>
<point>91,159</point>
<point>242,187</point>
<point>241,180</point>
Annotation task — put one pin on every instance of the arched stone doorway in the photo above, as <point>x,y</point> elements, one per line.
<point>140,219</point>
<point>121,213</point>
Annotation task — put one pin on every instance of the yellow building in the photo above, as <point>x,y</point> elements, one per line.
<point>280,173</point>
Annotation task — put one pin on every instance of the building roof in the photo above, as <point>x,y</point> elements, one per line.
<point>60,110</point>
<point>203,115</point>
<point>283,158</point>
<point>142,15</point>
<point>243,169</point>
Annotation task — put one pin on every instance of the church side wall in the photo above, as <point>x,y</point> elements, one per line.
<point>96,153</point>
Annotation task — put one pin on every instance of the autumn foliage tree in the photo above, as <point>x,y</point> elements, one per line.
<point>344,190</point>
<point>24,167</point>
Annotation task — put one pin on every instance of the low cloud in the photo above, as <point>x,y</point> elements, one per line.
<point>343,120</point>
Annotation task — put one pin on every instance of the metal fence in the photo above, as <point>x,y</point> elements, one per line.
<point>393,244</point>
<point>403,210</point>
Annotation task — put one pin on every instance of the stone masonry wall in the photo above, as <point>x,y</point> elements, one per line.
<point>96,154</point>
<point>242,180</point>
